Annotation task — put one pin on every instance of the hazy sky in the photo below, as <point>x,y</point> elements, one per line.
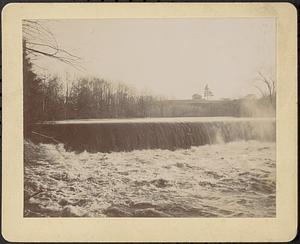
<point>171,57</point>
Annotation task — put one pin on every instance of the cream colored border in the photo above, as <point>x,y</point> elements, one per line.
<point>17,228</point>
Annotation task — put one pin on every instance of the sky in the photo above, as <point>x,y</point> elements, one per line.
<point>174,58</point>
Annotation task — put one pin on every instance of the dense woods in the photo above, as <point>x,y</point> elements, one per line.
<point>45,98</point>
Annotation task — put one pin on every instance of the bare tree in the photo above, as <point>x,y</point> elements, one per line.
<point>39,41</point>
<point>267,88</point>
<point>42,97</point>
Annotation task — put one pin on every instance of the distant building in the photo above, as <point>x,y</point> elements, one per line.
<point>207,93</point>
<point>197,97</point>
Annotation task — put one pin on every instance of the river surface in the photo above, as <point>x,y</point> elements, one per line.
<point>159,120</point>
<point>234,179</point>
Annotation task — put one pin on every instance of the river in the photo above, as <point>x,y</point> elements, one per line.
<point>222,178</point>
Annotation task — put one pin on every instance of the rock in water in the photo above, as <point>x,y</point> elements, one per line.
<point>149,212</point>
<point>160,183</point>
<point>63,202</point>
<point>71,211</point>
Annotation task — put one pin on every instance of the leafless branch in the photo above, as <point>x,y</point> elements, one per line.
<point>39,41</point>
<point>270,87</point>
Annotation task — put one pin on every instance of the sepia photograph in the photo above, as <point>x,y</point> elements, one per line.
<point>149,122</point>
<point>149,117</point>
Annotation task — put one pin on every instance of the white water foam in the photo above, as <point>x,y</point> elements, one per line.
<point>223,180</point>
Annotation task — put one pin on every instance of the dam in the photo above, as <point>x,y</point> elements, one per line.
<point>113,135</point>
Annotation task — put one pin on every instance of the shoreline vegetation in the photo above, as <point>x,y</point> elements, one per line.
<point>93,98</point>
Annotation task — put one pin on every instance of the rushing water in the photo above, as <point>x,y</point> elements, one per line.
<point>171,167</point>
<point>224,180</point>
<point>155,133</point>
<point>158,120</point>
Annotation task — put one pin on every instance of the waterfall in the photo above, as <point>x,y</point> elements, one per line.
<point>135,134</point>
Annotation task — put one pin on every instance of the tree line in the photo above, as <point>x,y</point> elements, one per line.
<point>47,98</point>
